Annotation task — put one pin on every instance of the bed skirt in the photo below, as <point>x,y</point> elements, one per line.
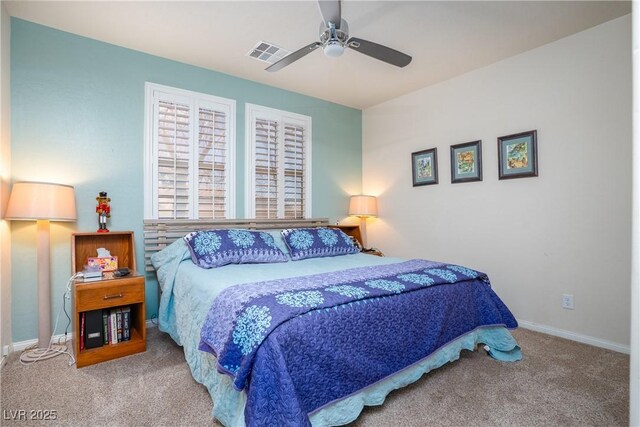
<point>229,403</point>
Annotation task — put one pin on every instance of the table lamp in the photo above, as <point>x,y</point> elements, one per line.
<point>363,207</point>
<point>42,202</point>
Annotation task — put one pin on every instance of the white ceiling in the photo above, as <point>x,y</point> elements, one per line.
<point>445,38</point>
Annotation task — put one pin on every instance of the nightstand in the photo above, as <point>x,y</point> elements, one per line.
<point>354,231</point>
<point>373,251</point>
<point>350,230</point>
<point>105,297</point>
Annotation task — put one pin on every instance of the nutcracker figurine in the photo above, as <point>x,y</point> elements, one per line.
<point>104,211</point>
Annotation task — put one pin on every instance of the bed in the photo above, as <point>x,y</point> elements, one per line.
<point>312,341</point>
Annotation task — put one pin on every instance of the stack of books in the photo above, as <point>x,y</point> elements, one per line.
<point>102,327</point>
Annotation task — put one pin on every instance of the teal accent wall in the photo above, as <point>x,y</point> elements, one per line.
<point>78,118</point>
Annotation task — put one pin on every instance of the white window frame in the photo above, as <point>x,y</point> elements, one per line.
<point>253,112</point>
<point>194,100</point>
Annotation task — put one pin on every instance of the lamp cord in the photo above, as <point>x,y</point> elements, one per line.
<point>65,297</point>
<point>32,355</point>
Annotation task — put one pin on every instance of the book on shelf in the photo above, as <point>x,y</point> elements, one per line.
<point>108,326</point>
<point>114,327</point>
<point>119,323</point>
<point>82,317</point>
<point>126,323</point>
<point>105,327</point>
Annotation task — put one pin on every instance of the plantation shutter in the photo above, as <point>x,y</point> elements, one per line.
<point>212,164</point>
<point>173,140</point>
<point>189,155</point>
<point>266,169</point>
<point>278,164</point>
<point>294,185</point>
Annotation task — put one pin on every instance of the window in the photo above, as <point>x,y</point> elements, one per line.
<point>278,166</point>
<point>189,155</point>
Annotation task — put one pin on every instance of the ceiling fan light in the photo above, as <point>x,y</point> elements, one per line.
<point>333,49</point>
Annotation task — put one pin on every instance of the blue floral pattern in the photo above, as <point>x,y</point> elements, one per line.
<point>241,238</point>
<point>387,285</point>
<point>347,239</point>
<point>206,242</point>
<point>349,291</point>
<point>418,279</point>
<point>443,274</point>
<point>301,239</point>
<point>232,368</point>
<point>318,296</point>
<point>317,242</point>
<point>268,240</point>
<point>301,299</point>
<point>215,248</point>
<point>328,236</point>
<point>250,328</point>
<point>464,271</point>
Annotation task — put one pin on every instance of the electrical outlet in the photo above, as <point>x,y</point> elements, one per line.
<point>567,301</point>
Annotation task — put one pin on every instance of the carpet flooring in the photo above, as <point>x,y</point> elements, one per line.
<point>558,382</point>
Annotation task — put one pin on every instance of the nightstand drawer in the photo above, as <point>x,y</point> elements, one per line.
<point>111,294</point>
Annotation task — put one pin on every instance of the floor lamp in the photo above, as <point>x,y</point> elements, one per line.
<point>363,207</point>
<point>42,202</point>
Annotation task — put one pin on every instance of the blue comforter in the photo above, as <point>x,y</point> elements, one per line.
<point>298,344</point>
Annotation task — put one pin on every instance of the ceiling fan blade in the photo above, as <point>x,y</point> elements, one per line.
<point>330,10</point>
<point>377,51</point>
<point>292,57</point>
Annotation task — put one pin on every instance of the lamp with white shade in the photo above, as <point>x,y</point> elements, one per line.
<point>42,202</point>
<point>364,207</point>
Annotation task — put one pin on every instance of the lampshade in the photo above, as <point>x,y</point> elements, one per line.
<point>41,200</point>
<point>363,206</point>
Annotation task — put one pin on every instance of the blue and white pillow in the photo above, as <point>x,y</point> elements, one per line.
<point>279,240</point>
<point>215,248</point>
<point>317,242</point>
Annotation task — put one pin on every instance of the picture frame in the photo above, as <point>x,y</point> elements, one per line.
<point>424,167</point>
<point>518,155</point>
<point>466,162</point>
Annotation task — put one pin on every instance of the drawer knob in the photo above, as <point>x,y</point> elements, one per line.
<point>113,296</point>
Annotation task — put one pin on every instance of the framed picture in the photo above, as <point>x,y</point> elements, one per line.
<point>466,162</point>
<point>424,166</point>
<point>518,155</point>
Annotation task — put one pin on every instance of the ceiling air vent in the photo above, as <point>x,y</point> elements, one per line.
<point>267,52</point>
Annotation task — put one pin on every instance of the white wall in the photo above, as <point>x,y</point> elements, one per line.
<point>567,231</point>
<point>5,173</point>
<point>634,379</point>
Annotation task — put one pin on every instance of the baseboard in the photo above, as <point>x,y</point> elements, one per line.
<point>23,345</point>
<point>151,323</point>
<point>585,339</point>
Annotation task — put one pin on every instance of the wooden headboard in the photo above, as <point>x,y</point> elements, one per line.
<point>159,233</point>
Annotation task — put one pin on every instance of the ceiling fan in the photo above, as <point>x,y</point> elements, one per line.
<point>334,38</point>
